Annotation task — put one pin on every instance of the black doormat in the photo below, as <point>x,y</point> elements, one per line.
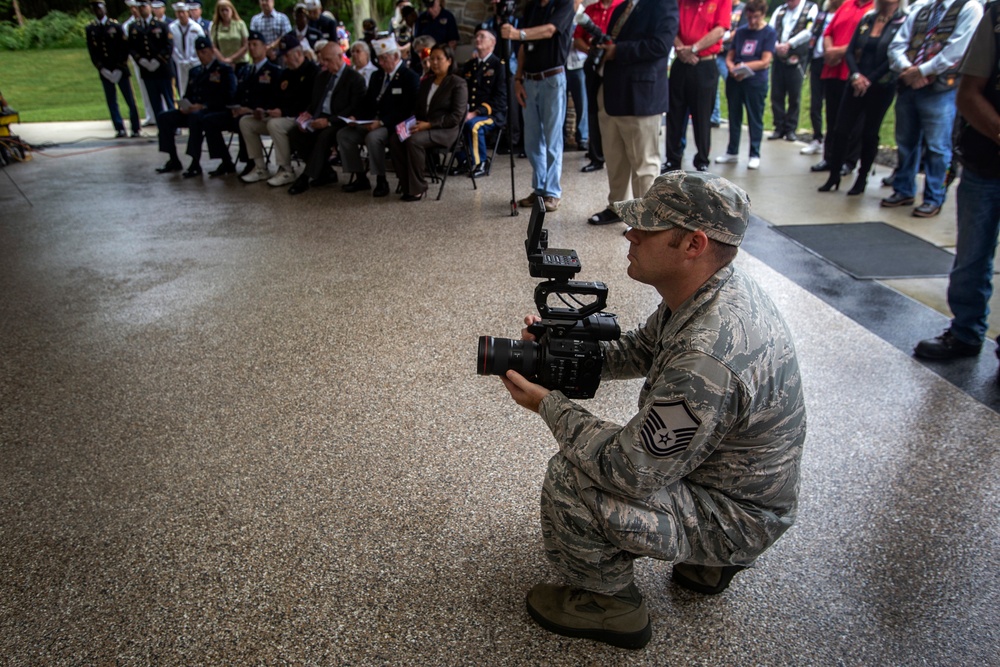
<point>872,250</point>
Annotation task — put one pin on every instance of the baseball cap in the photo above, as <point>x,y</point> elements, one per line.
<point>287,43</point>
<point>254,34</point>
<point>202,43</point>
<point>693,200</point>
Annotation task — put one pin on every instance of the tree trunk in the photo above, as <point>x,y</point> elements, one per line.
<point>363,9</point>
<point>17,13</point>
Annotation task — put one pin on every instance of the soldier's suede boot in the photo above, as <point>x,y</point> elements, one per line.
<point>620,620</point>
<point>704,579</point>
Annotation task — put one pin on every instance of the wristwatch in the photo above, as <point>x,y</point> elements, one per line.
<point>524,36</point>
<point>854,77</point>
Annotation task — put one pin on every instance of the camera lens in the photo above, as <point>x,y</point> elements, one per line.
<point>498,355</point>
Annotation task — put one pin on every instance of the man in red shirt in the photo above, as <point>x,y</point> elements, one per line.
<point>694,77</point>
<point>600,13</point>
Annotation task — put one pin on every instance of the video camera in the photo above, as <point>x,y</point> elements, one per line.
<point>566,354</point>
<point>595,55</point>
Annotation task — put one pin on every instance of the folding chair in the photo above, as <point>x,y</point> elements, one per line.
<point>459,143</point>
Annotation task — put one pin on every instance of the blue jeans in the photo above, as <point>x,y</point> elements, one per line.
<point>575,84</point>
<point>922,115</point>
<point>720,62</point>
<point>111,97</point>
<point>752,96</point>
<point>544,115</point>
<point>970,282</point>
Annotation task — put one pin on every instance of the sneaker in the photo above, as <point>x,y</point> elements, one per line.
<point>728,158</point>
<point>256,175</point>
<point>551,204</point>
<point>281,177</point>
<point>945,347</point>
<point>815,147</point>
<point>753,163</point>
<point>620,620</point>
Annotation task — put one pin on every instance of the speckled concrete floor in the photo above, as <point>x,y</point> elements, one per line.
<point>237,428</point>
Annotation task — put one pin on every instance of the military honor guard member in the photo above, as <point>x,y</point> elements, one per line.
<point>194,8</point>
<point>184,32</point>
<point>151,46</point>
<point>109,53</point>
<point>210,91</point>
<point>486,79</point>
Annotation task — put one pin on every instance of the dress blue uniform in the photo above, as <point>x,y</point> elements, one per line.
<point>109,53</point>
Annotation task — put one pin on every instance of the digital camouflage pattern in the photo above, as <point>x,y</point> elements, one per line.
<point>692,200</point>
<point>707,471</point>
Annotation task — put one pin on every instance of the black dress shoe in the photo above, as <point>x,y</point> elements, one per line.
<point>192,171</point>
<point>822,165</point>
<point>791,137</point>
<point>667,166</point>
<point>359,184</point>
<point>945,346</point>
<point>223,169</point>
<point>300,185</point>
<point>775,135</point>
<point>171,165</point>
<point>896,199</point>
<point>325,179</point>
<point>381,187</point>
<point>593,165</point>
<point>462,168</point>
<point>605,217</point>
<point>582,146</point>
<point>412,197</point>
<point>846,169</point>
<point>120,134</point>
<point>480,170</point>
<point>701,167</point>
<point>251,165</point>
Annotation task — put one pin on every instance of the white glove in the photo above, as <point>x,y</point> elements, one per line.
<point>153,65</point>
<point>115,76</point>
<point>107,74</point>
<point>143,63</point>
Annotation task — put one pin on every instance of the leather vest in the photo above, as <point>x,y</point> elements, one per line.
<point>976,152</point>
<point>802,51</point>
<point>949,78</point>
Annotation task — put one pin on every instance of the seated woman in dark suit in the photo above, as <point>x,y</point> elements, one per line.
<point>442,101</point>
<point>872,86</point>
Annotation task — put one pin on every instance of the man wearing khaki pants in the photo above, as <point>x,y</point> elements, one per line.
<point>633,96</point>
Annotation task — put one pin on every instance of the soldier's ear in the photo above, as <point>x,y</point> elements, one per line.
<point>697,244</point>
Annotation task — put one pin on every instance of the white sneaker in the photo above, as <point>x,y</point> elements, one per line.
<point>753,163</point>
<point>813,148</point>
<point>727,159</point>
<point>258,174</point>
<point>282,177</point>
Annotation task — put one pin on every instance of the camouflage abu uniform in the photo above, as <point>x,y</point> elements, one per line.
<point>707,471</point>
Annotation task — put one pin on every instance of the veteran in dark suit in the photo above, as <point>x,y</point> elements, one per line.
<point>211,89</point>
<point>109,53</point>
<point>633,94</point>
<point>152,48</point>
<point>337,92</point>
<point>391,99</point>
<point>442,100</point>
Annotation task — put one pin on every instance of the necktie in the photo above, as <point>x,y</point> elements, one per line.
<point>621,20</point>
<point>936,15</point>
<point>329,92</point>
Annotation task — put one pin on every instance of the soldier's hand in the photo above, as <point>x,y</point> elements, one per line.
<point>529,320</point>
<point>525,393</point>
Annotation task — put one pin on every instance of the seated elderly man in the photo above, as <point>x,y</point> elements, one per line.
<point>257,90</point>
<point>391,99</point>
<point>486,78</point>
<point>337,92</point>
<point>296,87</point>
<point>210,90</point>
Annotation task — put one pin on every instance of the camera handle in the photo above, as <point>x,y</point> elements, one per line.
<point>570,288</point>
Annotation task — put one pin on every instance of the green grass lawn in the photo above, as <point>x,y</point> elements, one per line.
<point>55,85</point>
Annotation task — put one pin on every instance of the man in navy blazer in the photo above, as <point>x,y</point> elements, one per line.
<point>633,96</point>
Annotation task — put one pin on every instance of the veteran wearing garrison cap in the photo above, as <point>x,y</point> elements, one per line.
<point>706,474</point>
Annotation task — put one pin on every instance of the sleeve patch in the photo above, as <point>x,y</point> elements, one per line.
<point>669,428</point>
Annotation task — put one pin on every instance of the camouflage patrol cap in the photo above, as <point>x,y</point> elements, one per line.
<point>693,200</point>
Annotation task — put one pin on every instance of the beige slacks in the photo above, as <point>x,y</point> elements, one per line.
<point>278,128</point>
<point>631,151</point>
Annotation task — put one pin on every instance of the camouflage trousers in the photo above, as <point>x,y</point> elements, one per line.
<point>579,529</point>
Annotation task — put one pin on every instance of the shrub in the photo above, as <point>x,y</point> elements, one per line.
<point>54,30</point>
